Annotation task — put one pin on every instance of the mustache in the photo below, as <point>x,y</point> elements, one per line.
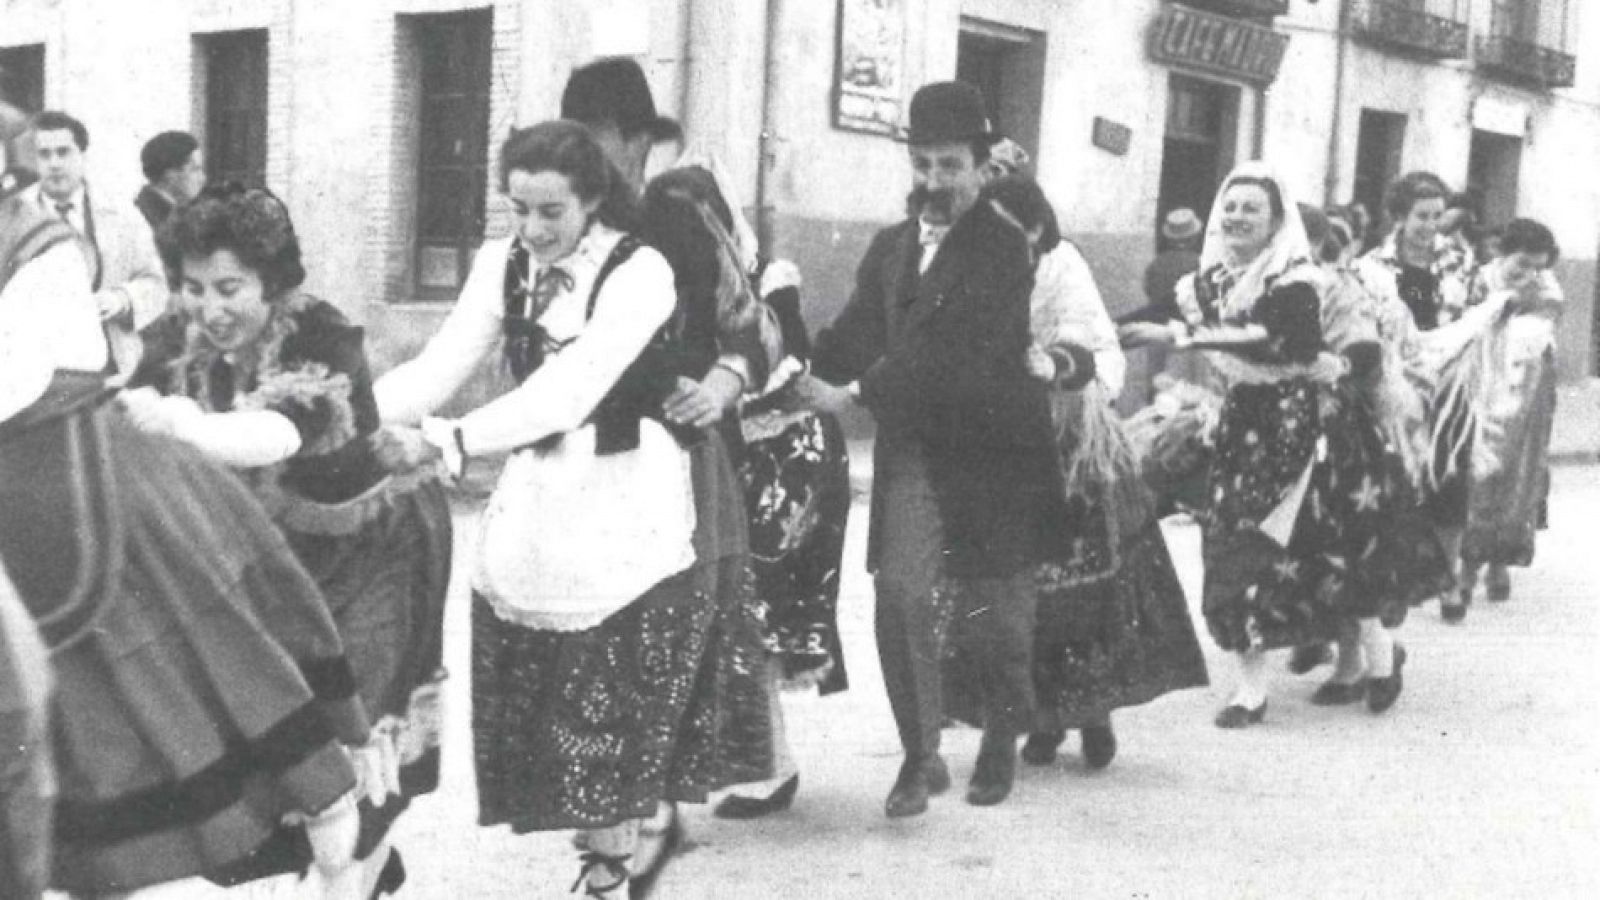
<point>922,198</point>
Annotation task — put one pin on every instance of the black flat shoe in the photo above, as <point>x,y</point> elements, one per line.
<point>642,884</point>
<point>1498,585</point>
<point>1099,746</point>
<point>1383,692</point>
<point>1308,656</point>
<point>736,807</point>
<point>918,779</point>
<point>1236,716</point>
<point>1338,693</point>
<point>1041,746</point>
<point>996,770</point>
<point>1453,613</point>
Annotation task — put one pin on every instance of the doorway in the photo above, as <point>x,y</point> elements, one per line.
<point>1379,144</point>
<point>1493,169</point>
<point>1006,65</point>
<point>1199,145</point>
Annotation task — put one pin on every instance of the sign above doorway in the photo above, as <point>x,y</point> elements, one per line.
<point>1211,43</point>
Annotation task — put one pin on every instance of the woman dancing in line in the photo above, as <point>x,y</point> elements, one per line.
<point>200,689</point>
<point>275,383</point>
<point>1296,487</point>
<point>1113,624</point>
<point>1513,409</point>
<point>1375,332</point>
<point>1429,275</point>
<point>793,467</point>
<point>605,665</point>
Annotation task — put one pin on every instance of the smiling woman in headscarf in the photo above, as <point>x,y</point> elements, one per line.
<point>1296,506</point>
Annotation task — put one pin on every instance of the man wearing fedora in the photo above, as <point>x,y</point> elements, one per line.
<point>612,98</point>
<point>933,343</point>
<point>1181,231</point>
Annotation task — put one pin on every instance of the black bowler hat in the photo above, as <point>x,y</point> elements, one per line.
<point>948,112</point>
<point>614,89</point>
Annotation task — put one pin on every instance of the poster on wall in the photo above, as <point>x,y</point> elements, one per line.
<point>868,93</point>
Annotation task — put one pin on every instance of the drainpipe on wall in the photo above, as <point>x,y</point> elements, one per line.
<point>767,146</point>
<point>1330,183</point>
<point>686,74</point>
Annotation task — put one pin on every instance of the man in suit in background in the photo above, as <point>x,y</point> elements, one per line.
<point>173,175</point>
<point>124,267</point>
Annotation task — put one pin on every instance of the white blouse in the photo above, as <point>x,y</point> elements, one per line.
<point>1067,307</point>
<point>637,299</point>
<point>569,537</point>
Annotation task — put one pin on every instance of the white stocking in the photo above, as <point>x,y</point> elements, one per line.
<point>1379,647</point>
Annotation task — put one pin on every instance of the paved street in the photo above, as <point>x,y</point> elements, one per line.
<point>1484,781</point>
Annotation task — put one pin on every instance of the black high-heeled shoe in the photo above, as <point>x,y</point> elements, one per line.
<point>671,837</point>
<point>1455,611</point>
<point>1339,693</point>
<point>1236,716</point>
<point>735,807</point>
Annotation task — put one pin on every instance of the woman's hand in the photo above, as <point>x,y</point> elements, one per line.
<point>333,834</point>
<point>445,436</point>
<point>816,395</point>
<point>401,449</point>
<point>700,404</point>
<point>150,412</point>
<point>1039,363</point>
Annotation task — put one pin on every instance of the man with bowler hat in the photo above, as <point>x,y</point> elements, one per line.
<point>933,343</point>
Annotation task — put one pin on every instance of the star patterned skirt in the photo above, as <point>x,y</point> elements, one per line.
<point>1358,547</point>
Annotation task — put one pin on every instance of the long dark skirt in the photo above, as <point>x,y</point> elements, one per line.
<point>1113,641</point>
<point>189,650</point>
<point>796,477</point>
<point>1341,560</point>
<point>665,700</point>
<point>386,586</point>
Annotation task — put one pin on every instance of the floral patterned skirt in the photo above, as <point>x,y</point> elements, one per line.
<point>665,700</point>
<point>1357,549</point>
<point>796,477</point>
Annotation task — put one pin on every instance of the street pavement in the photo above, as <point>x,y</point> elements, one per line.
<point>1483,781</point>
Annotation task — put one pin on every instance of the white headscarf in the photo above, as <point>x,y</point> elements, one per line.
<point>1288,252</point>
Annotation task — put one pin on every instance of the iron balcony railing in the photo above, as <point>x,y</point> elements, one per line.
<point>1400,25</point>
<point>1526,62</point>
<point>1267,8</point>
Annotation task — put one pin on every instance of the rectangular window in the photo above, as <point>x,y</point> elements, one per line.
<point>235,113</point>
<point>1380,140</point>
<point>454,56</point>
<point>22,77</point>
<point>1494,166</point>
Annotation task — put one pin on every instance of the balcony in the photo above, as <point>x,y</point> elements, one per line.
<point>1397,25</point>
<point>1249,8</point>
<point>1525,62</point>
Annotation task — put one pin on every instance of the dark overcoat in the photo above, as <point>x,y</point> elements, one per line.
<point>940,358</point>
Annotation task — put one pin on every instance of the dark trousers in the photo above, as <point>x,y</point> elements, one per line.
<point>991,621</point>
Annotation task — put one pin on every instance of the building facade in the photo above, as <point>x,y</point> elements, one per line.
<point>378,120</point>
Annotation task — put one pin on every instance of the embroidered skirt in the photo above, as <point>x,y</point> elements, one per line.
<point>663,701</point>
<point>199,681</point>
<point>796,477</point>
<point>1348,552</point>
